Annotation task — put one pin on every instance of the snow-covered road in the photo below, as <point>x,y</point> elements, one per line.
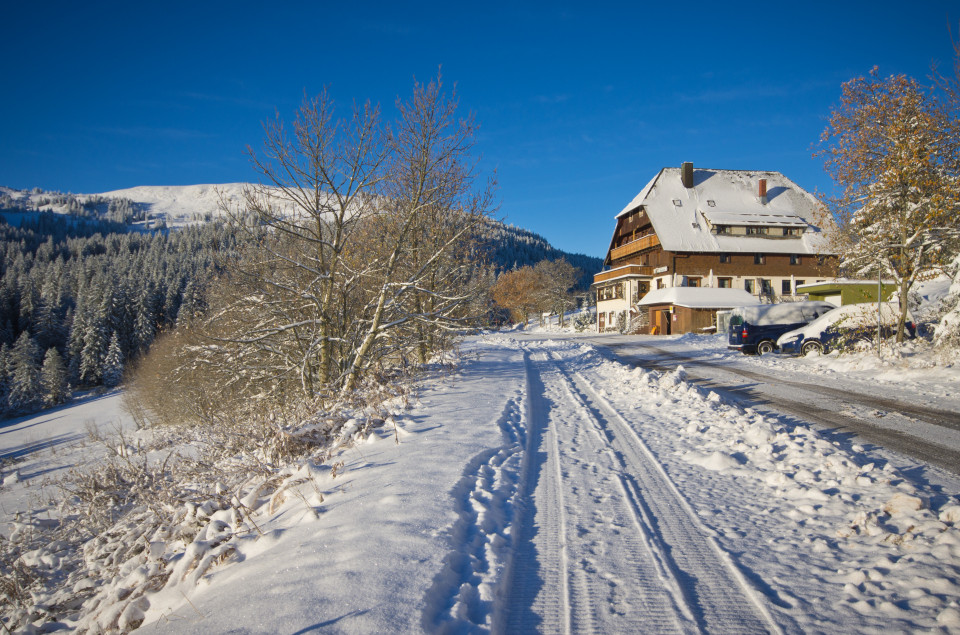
<point>546,487</point>
<point>893,417</point>
<point>611,542</point>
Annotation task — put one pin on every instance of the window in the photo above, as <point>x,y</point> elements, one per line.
<point>722,229</point>
<point>693,282</point>
<point>792,231</point>
<point>766,287</point>
<point>660,283</point>
<point>724,257</point>
<point>794,259</point>
<point>759,259</point>
<point>748,286</point>
<point>821,260</point>
<point>785,287</point>
<point>756,231</point>
<point>800,282</point>
<point>725,283</point>
<point>612,292</point>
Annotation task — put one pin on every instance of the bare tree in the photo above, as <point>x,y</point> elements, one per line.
<point>556,278</point>
<point>431,210</point>
<point>359,246</point>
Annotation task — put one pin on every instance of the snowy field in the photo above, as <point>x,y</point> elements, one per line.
<point>35,451</point>
<point>546,487</point>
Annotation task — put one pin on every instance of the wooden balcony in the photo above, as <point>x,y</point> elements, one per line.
<point>628,270</point>
<point>637,245</point>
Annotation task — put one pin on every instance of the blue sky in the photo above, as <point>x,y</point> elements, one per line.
<point>580,104</point>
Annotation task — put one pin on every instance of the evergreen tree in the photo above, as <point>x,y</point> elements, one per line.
<point>26,391</point>
<point>145,324</point>
<point>5,376</point>
<point>53,378</point>
<point>113,363</point>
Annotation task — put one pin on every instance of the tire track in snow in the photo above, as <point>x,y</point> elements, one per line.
<point>714,587</point>
<point>585,564</point>
<point>637,586</point>
<point>537,592</point>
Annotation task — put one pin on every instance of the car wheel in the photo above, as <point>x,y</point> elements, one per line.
<point>812,347</point>
<point>765,347</point>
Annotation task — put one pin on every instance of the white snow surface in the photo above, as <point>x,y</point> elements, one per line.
<point>176,204</point>
<point>546,487</point>
<point>182,202</point>
<point>38,449</point>
<point>699,297</point>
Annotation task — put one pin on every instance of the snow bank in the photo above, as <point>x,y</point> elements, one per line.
<point>863,546</point>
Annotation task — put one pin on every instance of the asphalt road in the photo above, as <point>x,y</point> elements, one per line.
<point>858,416</point>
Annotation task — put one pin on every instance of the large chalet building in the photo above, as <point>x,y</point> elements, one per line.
<point>722,229</point>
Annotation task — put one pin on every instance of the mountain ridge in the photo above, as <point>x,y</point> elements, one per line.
<point>178,205</point>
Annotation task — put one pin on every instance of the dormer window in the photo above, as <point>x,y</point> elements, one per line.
<point>756,231</point>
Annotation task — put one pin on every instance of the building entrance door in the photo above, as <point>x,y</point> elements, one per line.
<point>663,322</point>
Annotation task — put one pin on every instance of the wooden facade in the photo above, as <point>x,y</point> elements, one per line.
<point>771,248</point>
<point>667,319</point>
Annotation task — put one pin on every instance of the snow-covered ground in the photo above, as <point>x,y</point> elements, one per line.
<point>35,451</point>
<point>546,487</point>
<point>181,203</point>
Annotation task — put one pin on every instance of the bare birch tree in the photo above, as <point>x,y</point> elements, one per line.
<point>431,210</point>
<point>360,250</point>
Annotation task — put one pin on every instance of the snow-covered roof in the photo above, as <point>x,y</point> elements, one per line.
<point>842,282</point>
<point>682,216</point>
<point>699,297</point>
<point>720,217</point>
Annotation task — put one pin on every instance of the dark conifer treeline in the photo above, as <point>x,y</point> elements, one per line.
<point>82,294</point>
<point>512,248</point>
<point>80,298</point>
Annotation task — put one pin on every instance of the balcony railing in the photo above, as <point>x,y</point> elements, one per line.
<point>646,242</point>
<point>619,272</point>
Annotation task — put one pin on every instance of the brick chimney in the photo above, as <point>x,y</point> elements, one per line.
<point>762,190</point>
<point>686,174</point>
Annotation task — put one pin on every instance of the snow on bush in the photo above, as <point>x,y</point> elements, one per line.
<point>165,510</point>
<point>947,334</point>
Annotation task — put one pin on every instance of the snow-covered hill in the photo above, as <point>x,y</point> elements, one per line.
<point>181,202</point>
<point>178,205</point>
